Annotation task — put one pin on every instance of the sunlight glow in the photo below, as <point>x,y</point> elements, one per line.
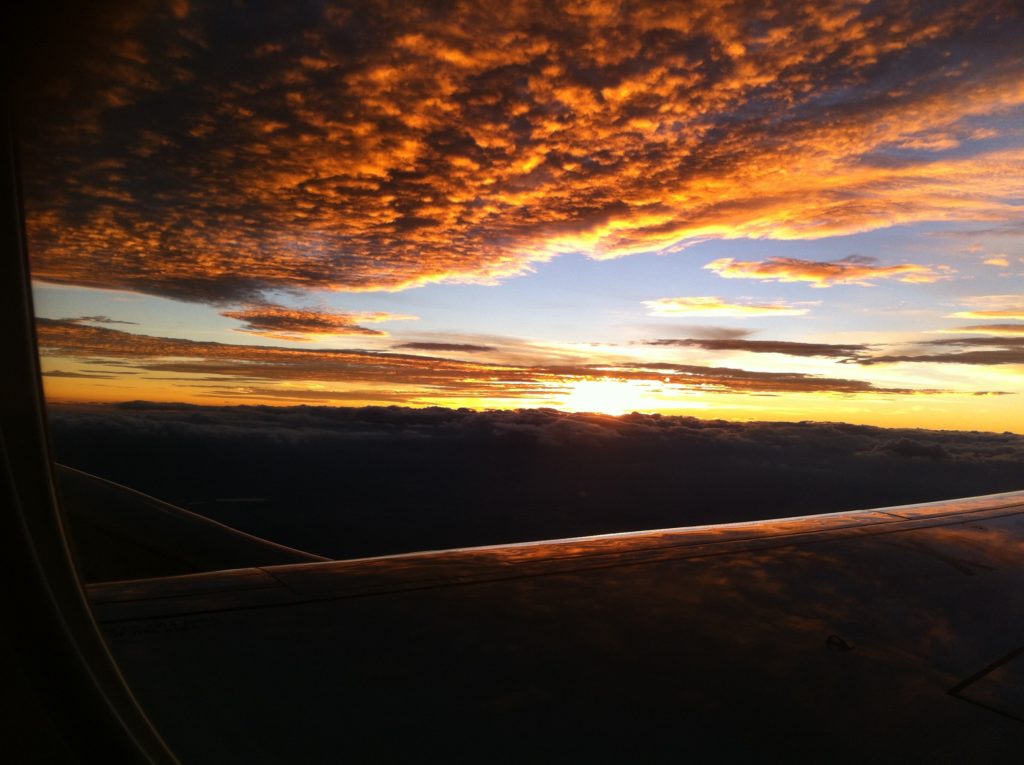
<point>611,396</point>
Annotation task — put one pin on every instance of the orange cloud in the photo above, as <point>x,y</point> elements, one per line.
<point>285,323</point>
<point>998,260</point>
<point>213,157</point>
<point>854,269</point>
<point>714,306</point>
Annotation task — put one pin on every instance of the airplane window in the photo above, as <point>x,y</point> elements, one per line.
<point>361,280</point>
<point>331,281</point>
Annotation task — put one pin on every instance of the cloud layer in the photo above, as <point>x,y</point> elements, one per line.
<point>215,153</point>
<point>346,482</point>
<point>253,370</point>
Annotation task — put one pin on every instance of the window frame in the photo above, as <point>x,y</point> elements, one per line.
<point>70,702</point>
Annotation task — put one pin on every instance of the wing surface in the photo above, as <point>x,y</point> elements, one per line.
<point>895,633</point>
<point>120,533</point>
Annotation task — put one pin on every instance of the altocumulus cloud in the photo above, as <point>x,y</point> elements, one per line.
<point>286,323</point>
<point>214,153</point>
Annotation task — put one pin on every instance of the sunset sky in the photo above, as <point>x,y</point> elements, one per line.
<point>746,210</point>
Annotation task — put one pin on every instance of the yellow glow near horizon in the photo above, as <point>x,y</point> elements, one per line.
<point>610,396</point>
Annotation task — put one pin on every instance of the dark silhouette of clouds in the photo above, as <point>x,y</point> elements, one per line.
<point>766,346</point>
<point>80,375</point>
<point>347,482</point>
<point>699,332</point>
<point>1000,342</point>
<point>448,347</point>
<point>97,320</point>
<point>980,350</point>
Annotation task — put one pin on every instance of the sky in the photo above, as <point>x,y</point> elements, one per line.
<point>738,210</point>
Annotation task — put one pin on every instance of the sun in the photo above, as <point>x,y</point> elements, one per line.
<point>610,396</point>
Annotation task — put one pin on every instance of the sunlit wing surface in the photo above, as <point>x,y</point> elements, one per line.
<point>896,633</point>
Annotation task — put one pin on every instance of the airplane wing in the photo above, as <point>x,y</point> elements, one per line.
<point>119,533</point>
<point>894,634</point>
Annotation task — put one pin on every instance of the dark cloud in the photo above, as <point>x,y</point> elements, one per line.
<point>1001,342</point>
<point>81,375</point>
<point>97,320</point>
<point>912,447</point>
<point>286,323</point>
<point>219,153</point>
<point>765,346</point>
<point>982,350</point>
<point>703,332</point>
<point>985,358</point>
<point>413,375</point>
<point>749,381</point>
<point>286,396</point>
<point>346,482</point>
<point>448,347</point>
